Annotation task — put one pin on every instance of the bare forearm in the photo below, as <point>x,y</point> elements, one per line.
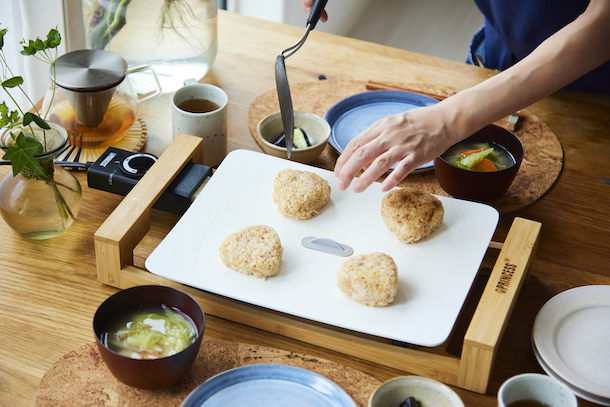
<point>417,136</point>
<point>578,48</point>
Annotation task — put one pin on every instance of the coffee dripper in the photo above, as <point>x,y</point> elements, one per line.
<point>93,98</point>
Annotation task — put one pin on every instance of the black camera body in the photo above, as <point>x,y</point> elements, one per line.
<point>118,171</point>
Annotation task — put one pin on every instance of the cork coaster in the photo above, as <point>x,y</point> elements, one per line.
<point>539,170</point>
<point>80,377</point>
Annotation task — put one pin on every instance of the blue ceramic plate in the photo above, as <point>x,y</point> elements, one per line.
<point>351,116</point>
<point>268,385</point>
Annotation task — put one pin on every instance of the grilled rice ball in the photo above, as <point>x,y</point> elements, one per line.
<point>371,279</point>
<point>254,250</point>
<point>411,215</point>
<point>300,194</point>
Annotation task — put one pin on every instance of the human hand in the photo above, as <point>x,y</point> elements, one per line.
<point>409,139</point>
<point>308,4</point>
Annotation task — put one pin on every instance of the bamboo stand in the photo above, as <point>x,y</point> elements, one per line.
<point>116,239</point>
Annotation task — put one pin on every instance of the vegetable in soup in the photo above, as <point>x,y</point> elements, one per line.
<point>150,333</point>
<point>479,157</point>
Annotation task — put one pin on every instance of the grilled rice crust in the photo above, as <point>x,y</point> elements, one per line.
<point>371,279</point>
<point>300,194</point>
<point>254,250</point>
<point>411,215</point>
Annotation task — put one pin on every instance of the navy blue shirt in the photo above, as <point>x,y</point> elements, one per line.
<point>514,28</point>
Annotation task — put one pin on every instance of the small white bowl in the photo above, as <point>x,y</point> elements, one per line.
<point>538,387</point>
<point>428,392</point>
<point>316,128</point>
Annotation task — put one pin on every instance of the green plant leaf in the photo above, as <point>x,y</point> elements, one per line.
<point>21,154</point>
<point>41,122</point>
<point>31,117</point>
<point>32,46</point>
<point>13,82</point>
<point>2,32</point>
<point>29,49</point>
<point>53,38</point>
<point>7,118</point>
<point>28,118</point>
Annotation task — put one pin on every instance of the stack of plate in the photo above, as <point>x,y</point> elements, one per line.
<point>571,340</point>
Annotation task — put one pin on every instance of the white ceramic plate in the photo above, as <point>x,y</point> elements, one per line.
<point>435,274</point>
<point>572,336</point>
<point>579,392</point>
<point>268,385</point>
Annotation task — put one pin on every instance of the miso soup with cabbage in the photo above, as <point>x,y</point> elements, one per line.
<point>149,332</point>
<point>479,157</point>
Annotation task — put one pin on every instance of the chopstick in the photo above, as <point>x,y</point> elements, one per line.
<point>374,85</point>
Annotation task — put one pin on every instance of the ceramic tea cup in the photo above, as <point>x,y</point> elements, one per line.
<point>536,388</point>
<point>200,109</point>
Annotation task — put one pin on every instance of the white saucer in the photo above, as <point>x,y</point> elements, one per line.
<point>579,392</point>
<point>571,334</point>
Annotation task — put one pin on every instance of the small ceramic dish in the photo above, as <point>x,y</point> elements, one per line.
<point>428,392</point>
<point>536,387</point>
<point>148,373</point>
<point>316,128</point>
<point>481,186</point>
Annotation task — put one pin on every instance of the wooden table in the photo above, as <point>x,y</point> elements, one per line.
<point>49,289</point>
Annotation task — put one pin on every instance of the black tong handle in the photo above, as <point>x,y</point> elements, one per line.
<point>316,12</point>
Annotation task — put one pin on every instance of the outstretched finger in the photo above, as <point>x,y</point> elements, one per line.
<point>357,143</point>
<point>371,156</point>
<point>372,173</point>
<point>349,164</point>
<point>403,168</point>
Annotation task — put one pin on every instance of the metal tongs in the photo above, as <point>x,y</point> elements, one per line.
<point>281,79</point>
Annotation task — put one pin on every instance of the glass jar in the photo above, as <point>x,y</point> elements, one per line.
<point>178,38</point>
<point>40,208</point>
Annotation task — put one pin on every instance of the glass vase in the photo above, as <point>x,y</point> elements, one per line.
<point>40,208</point>
<point>178,38</point>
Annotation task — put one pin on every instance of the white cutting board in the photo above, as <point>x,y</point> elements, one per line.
<point>434,274</point>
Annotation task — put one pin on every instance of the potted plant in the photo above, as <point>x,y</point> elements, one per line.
<point>39,200</point>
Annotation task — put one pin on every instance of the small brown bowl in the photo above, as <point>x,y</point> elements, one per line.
<point>316,128</point>
<point>148,373</point>
<point>481,186</point>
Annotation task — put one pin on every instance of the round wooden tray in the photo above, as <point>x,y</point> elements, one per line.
<point>539,170</point>
<point>81,378</point>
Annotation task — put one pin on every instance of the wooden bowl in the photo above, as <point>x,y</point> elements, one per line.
<point>481,186</point>
<point>428,392</point>
<point>148,373</point>
<point>316,128</point>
